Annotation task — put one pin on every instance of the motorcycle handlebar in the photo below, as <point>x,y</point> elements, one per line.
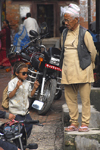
<point>42,36</point>
<point>29,121</point>
<point>36,122</point>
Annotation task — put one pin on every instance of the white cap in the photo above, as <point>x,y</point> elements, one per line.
<point>72,9</point>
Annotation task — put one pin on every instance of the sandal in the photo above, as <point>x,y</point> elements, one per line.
<point>71,128</point>
<point>83,128</point>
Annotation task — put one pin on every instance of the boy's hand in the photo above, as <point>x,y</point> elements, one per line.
<point>19,83</point>
<point>36,84</point>
<point>12,93</point>
<point>11,116</point>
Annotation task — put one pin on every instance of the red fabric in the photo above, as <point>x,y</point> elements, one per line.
<point>0,44</point>
<point>5,45</point>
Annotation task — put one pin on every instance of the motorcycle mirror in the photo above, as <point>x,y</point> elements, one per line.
<point>33,33</point>
<point>31,146</point>
<point>37,105</point>
<point>44,28</point>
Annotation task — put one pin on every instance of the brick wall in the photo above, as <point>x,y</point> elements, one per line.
<point>84,12</point>
<point>12,14</point>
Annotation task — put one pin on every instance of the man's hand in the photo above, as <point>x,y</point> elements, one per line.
<point>11,116</point>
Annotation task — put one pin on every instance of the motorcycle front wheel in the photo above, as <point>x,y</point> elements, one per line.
<point>48,96</point>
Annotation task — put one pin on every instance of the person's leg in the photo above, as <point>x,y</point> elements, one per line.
<point>27,126</point>
<point>71,92</point>
<point>7,145</point>
<point>84,90</point>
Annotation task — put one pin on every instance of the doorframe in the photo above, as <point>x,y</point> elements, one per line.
<point>34,12</point>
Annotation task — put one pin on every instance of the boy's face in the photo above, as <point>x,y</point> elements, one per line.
<point>23,73</point>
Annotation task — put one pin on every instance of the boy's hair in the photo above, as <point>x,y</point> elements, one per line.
<point>18,66</point>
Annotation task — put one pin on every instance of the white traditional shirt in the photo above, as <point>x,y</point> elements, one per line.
<point>31,24</point>
<point>19,104</point>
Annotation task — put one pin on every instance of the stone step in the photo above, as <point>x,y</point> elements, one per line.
<point>82,140</point>
<point>95,98</point>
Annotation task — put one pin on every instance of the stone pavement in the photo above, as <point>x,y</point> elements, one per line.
<point>50,136</point>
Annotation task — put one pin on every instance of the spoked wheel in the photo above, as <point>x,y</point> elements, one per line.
<point>48,97</point>
<point>58,93</point>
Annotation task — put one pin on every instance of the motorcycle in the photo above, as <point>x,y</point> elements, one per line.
<point>15,133</point>
<point>47,75</point>
<point>43,65</point>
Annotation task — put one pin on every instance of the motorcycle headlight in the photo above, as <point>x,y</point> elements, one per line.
<point>54,61</point>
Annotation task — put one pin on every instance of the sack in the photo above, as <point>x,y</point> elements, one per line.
<point>21,39</point>
<point>5,99</point>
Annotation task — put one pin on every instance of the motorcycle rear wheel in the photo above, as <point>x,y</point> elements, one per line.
<point>48,97</point>
<point>58,94</point>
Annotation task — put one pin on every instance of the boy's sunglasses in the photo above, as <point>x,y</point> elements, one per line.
<point>23,73</point>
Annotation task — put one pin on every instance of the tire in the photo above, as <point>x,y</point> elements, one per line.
<point>48,97</point>
<point>58,94</point>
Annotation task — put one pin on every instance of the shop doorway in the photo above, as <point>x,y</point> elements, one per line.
<point>45,13</point>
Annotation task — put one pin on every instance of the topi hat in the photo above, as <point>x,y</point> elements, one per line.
<point>72,9</point>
